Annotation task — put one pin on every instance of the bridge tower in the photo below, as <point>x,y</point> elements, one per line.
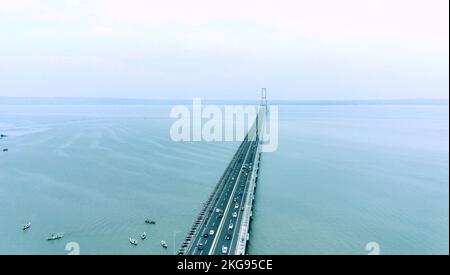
<point>262,112</point>
<point>264,97</point>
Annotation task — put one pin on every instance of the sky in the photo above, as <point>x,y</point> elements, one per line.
<point>172,49</point>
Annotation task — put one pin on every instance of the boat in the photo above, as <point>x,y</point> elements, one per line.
<point>143,236</point>
<point>150,221</point>
<point>5,150</point>
<point>133,241</point>
<point>26,226</point>
<point>164,244</point>
<point>55,236</point>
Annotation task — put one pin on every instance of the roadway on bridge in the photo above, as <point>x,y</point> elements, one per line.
<point>226,224</point>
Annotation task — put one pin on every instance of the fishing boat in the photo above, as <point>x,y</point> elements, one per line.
<point>133,241</point>
<point>55,236</point>
<point>143,236</point>
<point>164,244</point>
<point>26,226</point>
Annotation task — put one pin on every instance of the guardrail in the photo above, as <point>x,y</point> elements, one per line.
<point>244,230</point>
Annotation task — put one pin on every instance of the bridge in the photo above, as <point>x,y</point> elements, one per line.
<point>223,225</point>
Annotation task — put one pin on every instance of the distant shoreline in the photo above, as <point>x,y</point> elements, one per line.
<point>130,101</point>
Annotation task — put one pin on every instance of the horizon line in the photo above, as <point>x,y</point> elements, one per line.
<point>60,100</point>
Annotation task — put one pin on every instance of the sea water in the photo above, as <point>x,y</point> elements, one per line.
<point>342,177</point>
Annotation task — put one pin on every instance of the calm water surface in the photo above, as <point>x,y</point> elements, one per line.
<point>343,176</point>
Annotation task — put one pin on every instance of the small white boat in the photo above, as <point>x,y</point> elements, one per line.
<point>55,236</point>
<point>133,241</point>
<point>164,244</point>
<point>26,226</point>
<point>143,236</point>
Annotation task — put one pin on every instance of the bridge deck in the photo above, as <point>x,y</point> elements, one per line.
<point>223,224</point>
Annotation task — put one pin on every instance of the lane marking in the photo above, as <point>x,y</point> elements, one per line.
<point>244,192</point>
<point>219,231</point>
<point>198,239</point>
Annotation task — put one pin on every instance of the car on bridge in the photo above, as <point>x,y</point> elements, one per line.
<point>230,227</point>
<point>224,249</point>
<point>211,232</point>
<point>228,237</point>
<point>235,215</point>
<point>200,246</point>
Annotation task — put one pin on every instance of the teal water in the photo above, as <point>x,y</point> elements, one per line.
<point>96,173</point>
<point>343,176</point>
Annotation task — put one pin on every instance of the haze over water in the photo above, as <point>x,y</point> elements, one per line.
<point>342,176</point>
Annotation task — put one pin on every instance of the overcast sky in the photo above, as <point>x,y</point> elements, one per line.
<point>346,49</point>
